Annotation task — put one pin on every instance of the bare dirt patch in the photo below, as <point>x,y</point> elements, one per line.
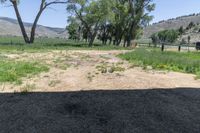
<point>94,70</point>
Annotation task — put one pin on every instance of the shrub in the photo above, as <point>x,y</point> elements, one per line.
<point>165,36</point>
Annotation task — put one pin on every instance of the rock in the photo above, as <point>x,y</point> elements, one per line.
<point>110,70</point>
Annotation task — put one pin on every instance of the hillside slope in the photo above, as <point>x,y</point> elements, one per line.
<point>10,27</point>
<point>175,24</point>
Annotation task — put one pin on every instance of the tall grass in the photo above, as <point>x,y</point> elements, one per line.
<point>175,61</point>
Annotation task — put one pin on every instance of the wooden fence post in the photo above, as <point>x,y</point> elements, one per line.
<point>179,48</point>
<point>162,47</point>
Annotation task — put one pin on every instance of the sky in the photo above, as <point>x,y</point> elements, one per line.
<point>166,9</point>
<point>57,15</point>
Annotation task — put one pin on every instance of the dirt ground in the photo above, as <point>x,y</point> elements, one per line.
<point>94,70</point>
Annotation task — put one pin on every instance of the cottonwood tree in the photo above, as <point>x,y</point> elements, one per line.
<point>165,36</point>
<point>118,19</point>
<point>138,16</point>
<point>43,5</point>
<point>121,14</point>
<point>91,13</point>
<point>130,16</point>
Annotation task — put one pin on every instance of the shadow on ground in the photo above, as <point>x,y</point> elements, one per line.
<point>143,111</point>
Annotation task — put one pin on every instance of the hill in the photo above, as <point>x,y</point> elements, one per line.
<point>176,23</point>
<point>10,27</point>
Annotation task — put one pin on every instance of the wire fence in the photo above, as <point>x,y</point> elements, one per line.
<point>169,46</point>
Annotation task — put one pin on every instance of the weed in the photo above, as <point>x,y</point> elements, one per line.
<point>90,76</point>
<point>27,88</point>
<point>53,83</point>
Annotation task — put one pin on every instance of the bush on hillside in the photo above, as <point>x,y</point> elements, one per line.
<point>169,36</point>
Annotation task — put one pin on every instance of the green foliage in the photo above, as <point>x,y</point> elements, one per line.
<point>175,61</point>
<point>91,15</point>
<point>126,20</point>
<point>11,71</point>
<point>165,36</point>
<point>72,30</point>
<point>155,38</point>
<point>181,30</point>
<point>191,25</point>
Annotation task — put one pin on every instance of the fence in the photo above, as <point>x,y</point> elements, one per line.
<point>171,46</point>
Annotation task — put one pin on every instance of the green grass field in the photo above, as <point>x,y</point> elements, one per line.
<point>175,61</point>
<point>11,44</point>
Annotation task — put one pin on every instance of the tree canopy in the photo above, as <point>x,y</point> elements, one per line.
<point>165,36</point>
<point>112,20</point>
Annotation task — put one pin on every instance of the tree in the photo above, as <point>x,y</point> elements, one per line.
<point>105,33</point>
<point>91,14</point>
<point>165,36</point>
<point>73,29</point>
<point>155,39</point>
<point>189,38</point>
<point>138,15</point>
<point>43,5</point>
<point>191,24</point>
<point>118,19</point>
<point>181,30</point>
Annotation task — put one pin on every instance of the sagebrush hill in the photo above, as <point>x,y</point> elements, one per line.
<point>10,27</point>
<point>176,23</point>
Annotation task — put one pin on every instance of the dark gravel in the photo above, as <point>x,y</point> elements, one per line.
<point>142,111</point>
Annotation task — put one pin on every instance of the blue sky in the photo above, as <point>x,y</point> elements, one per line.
<point>57,17</point>
<point>166,9</point>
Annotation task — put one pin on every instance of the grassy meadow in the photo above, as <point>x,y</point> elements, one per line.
<point>187,62</point>
<point>11,44</point>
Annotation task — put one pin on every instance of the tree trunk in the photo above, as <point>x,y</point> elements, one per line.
<point>120,39</point>
<point>131,35</point>
<point>19,19</point>
<point>32,38</point>
<point>94,34</point>
<point>91,42</point>
<point>42,7</point>
<point>92,39</point>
